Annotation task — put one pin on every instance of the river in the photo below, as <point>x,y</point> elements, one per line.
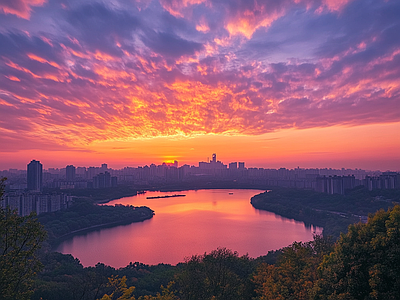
<point>183,226</point>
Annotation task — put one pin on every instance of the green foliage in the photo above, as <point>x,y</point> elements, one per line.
<point>221,274</point>
<point>148,279</point>
<point>64,278</point>
<point>166,294</point>
<point>365,262</point>
<point>120,289</point>
<point>271,258</point>
<point>295,272</point>
<point>20,239</point>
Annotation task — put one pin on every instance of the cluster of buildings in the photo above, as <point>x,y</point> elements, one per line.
<point>335,184</point>
<point>24,191</point>
<point>339,184</point>
<point>387,180</point>
<point>27,202</point>
<point>80,178</point>
<point>26,198</point>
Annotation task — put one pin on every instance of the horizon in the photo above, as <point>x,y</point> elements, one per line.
<point>314,84</point>
<point>208,160</point>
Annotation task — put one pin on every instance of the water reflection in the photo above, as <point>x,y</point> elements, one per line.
<point>183,226</point>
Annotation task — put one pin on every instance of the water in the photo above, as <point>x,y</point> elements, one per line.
<point>184,226</point>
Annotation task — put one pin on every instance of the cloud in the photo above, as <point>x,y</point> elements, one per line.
<point>336,5</point>
<point>96,26</point>
<point>20,8</point>
<point>170,45</point>
<point>116,72</point>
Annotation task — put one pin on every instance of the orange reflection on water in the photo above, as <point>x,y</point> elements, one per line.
<point>183,226</point>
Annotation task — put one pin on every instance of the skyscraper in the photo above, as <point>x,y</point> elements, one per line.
<point>35,176</point>
<point>70,172</point>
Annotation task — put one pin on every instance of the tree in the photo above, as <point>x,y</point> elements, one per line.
<point>166,294</point>
<point>121,291</point>
<point>219,275</point>
<point>20,239</point>
<point>365,263</point>
<point>294,274</point>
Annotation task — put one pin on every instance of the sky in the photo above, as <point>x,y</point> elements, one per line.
<point>308,83</point>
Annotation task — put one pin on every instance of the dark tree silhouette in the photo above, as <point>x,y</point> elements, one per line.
<point>365,263</point>
<point>20,238</point>
<point>221,274</point>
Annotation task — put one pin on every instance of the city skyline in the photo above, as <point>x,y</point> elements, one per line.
<point>212,171</point>
<point>61,165</point>
<point>71,170</point>
<point>309,83</point>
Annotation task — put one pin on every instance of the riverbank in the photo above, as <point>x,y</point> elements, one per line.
<point>103,195</point>
<point>85,216</point>
<point>332,212</point>
<point>101,226</point>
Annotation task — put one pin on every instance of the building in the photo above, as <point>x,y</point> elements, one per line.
<point>70,173</point>
<point>35,176</point>
<point>335,184</point>
<point>233,166</point>
<point>26,203</point>
<point>387,180</point>
<point>102,180</point>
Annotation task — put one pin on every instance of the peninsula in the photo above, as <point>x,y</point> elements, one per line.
<point>84,216</point>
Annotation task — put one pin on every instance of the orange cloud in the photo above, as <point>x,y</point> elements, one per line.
<point>202,26</point>
<point>13,78</point>
<point>176,7</point>
<point>20,8</point>
<point>247,22</point>
<point>336,5</point>
<point>113,76</point>
<point>103,56</point>
<point>42,60</point>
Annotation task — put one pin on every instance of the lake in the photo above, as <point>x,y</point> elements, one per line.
<point>200,222</point>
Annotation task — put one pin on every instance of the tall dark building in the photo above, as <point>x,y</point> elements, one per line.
<point>70,173</point>
<point>233,166</point>
<point>35,176</point>
<point>102,180</point>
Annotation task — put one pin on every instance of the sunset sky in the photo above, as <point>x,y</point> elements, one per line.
<point>309,83</point>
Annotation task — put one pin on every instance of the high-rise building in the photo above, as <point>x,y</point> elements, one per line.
<point>214,158</point>
<point>70,173</point>
<point>102,180</point>
<point>233,166</point>
<point>35,176</point>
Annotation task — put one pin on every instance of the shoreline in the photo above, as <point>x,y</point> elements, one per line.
<point>59,240</point>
